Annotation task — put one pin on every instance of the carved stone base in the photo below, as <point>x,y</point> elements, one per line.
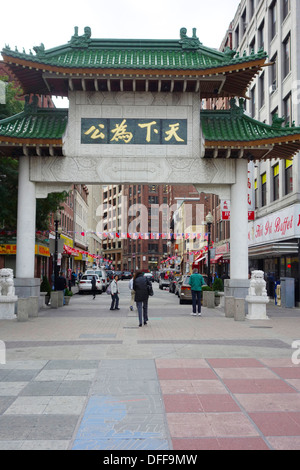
<point>7,307</point>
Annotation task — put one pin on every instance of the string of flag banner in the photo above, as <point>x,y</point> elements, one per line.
<point>126,235</point>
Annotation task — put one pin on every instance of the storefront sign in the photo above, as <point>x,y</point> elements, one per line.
<point>134,131</point>
<point>280,225</point>
<point>225,209</point>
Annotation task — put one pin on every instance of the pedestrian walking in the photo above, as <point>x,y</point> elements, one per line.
<point>141,287</point>
<point>114,293</point>
<point>61,284</point>
<point>94,286</point>
<point>196,282</point>
<point>132,294</point>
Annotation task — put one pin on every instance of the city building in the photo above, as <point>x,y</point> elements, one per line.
<point>272,26</point>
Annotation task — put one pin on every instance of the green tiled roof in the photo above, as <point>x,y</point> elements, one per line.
<point>219,128</point>
<point>41,124</point>
<point>234,125</point>
<point>85,52</point>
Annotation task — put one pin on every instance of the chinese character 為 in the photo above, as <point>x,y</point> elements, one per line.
<point>120,133</point>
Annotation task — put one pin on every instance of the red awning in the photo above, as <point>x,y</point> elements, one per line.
<point>216,259</point>
<point>200,258</point>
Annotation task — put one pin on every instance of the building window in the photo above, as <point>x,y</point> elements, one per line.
<point>251,8</point>
<point>288,176</point>
<point>255,194</point>
<point>237,37</point>
<point>286,56</point>
<point>285,8</point>
<point>261,32</point>
<point>273,20</point>
<point>274,73</point>
<point>276,182</point>
<point>262,90</point>
<point>264,189</point>
<point>252,95</point>
<point>287,105</point>
<point>244,22</point>
<point>252,46</point>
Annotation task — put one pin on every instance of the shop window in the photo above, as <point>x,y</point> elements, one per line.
<point>255,194</point>
<point>288,176</point>
<point>276,182</point>
<point>263,189</point>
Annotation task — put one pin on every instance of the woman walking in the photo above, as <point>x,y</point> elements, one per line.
<point>140,286</point>
<point>114,294</point>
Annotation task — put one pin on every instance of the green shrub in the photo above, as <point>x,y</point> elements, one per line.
<point>68,293</point>
<point>45,285</point>
<point>218,285</point>
<point>205,288</point>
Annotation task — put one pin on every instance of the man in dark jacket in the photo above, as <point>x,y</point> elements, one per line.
<point>140,286</point>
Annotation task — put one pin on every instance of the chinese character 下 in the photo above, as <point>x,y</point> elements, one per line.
<point>148,126</point>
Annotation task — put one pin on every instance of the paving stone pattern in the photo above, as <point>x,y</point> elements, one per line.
<point>150,404</point>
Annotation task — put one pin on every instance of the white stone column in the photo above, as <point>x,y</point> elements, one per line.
<point>239,223</point>
<point>26,222</point>
<point>238,284</point>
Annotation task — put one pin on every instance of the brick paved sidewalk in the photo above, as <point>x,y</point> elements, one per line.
<point>83,378</point>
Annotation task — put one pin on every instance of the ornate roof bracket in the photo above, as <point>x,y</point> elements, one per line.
<point>189,43</point>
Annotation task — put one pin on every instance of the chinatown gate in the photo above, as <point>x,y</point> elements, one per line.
<point>135,117</point>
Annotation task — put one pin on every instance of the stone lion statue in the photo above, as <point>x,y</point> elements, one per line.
<point>257,284</point>
<point>7,282</point>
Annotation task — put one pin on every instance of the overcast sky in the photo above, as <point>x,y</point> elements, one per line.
<point>27,23</point>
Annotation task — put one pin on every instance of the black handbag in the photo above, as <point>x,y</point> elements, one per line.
<point>150,289</point>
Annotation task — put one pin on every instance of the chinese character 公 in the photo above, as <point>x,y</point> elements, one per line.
<point>96,134</point>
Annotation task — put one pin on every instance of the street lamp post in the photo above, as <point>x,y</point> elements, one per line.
<point>209,220</point>
<point>57,237</point>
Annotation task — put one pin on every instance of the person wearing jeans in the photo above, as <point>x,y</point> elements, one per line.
<point>114,294</point>
<point>196,282</point>
<point>140,286</point>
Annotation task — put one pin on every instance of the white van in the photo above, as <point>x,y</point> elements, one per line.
<point>101,273</point>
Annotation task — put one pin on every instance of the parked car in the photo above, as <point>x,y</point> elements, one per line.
<point>101,273</point>
<point>183,289</point>
<point>110,274</point>
<point>149,276</point>
<point>164,278</point>
<point>126,275</point>
<point>173,284</point>
<point>118,273</point>
<point>85,284</point>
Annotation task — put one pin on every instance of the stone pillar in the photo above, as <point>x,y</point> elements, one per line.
<point>25,284</point>
<point>238,284</point>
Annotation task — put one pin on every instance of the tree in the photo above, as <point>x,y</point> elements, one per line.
<point>9,178</point>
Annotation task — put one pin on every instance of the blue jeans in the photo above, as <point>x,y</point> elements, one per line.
<point>114,301</point>
<point>142,308</point>
<point>196,299</point>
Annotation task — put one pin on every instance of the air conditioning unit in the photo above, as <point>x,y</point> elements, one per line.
<point>272,88</point>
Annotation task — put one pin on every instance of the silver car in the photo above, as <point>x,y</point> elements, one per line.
<point>85,284</point>
<point>102,274</point>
